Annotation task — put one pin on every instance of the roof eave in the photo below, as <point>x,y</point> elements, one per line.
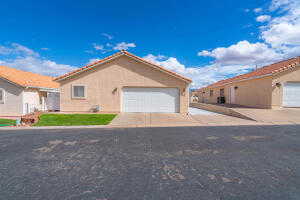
<point>11,82</point>
<point>255,77</point>
<point>46,89</point>
<point>58,79</point>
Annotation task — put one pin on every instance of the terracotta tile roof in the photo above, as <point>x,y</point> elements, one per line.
<point>122,52</point>
<point>263,71</point>
<point>27,79</point>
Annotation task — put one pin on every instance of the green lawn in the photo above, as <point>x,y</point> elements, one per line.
<point>74,119</point>
<point>7,122</point>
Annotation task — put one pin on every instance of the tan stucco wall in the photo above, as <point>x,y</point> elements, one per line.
<point>12,105</point>
<point>253,93</point>
<point>104,85</point>
<point>277,92</point>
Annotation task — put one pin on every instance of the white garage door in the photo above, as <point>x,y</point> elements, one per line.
<point>162,100</point>
<point>291,95</point>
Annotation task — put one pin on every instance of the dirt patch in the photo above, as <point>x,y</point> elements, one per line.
<point>52,145</point>
<point>196,152</point>
<point>212,138</point>
<point>55,142</point>
<point>248,138</point>
<point>171,172</point>
<point>211,176</point>
<point>70,143</point>
<point>226,180</point>
<point>44,149</point>
<point>90,141</point>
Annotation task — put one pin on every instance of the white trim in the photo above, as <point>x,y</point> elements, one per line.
<point>44,89</point>
<point>84,91</point>
<point>2,101</point>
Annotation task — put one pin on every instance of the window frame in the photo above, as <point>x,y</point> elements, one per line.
<point>2,101</point>
<point>211,93</point>
<point>222,92</point>
<point>84,91</point>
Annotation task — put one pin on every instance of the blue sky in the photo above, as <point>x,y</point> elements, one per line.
<point>204,40</point>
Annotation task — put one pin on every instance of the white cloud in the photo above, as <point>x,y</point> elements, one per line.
<point>124,46</point>
<point>243,53</point>
<point>263,18</point>
<point>22,49</point>
<point>258,10</point>
<point>45,49</point>
<point>24,58</point>
<point>170,63</point>
<point>5,50</point>
<point>98,47</point>
<point>247,10</point>
<point>282,4</point>
<point>201,76</point>
<point>284,31</point>
<point>108,36</point>
<point>92,60</point>
<point>15,48</point>
<point>280,39</point>
<point>37,65</point>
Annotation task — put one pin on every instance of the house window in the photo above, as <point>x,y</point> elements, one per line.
<point>79,91</point>
<point>211,93</point>
<point>2,95</point>
<point>222,92</point>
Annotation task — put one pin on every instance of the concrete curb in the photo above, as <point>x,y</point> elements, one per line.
<point>57,127</point>
<point>95,127</point>
<point>138,126</point>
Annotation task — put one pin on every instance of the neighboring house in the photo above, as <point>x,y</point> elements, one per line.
<point>194,96</point>
<point>273,86</point>
<point>124,82</point>
<point>24,92</point>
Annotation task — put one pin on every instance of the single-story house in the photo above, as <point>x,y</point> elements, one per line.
<point>123,82</point>
<point>273,86</point>
<point>23,92</point>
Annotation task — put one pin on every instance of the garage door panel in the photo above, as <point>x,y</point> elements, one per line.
<point>164,100</point>
<point>291,95</point>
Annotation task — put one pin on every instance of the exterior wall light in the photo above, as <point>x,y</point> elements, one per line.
<point>278,84</point>
<point>236,87</point>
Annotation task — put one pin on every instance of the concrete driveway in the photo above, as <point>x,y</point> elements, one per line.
<point>196,117</point>
<point>272,116</point>
<point>181,163</point>
<point>153,120</point>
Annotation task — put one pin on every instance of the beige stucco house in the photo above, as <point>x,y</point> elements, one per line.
<point>24,92</point>
<point>123,82</point>
<point>273,86</point>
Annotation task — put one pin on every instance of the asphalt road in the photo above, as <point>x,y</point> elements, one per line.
<point>226,163</point>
